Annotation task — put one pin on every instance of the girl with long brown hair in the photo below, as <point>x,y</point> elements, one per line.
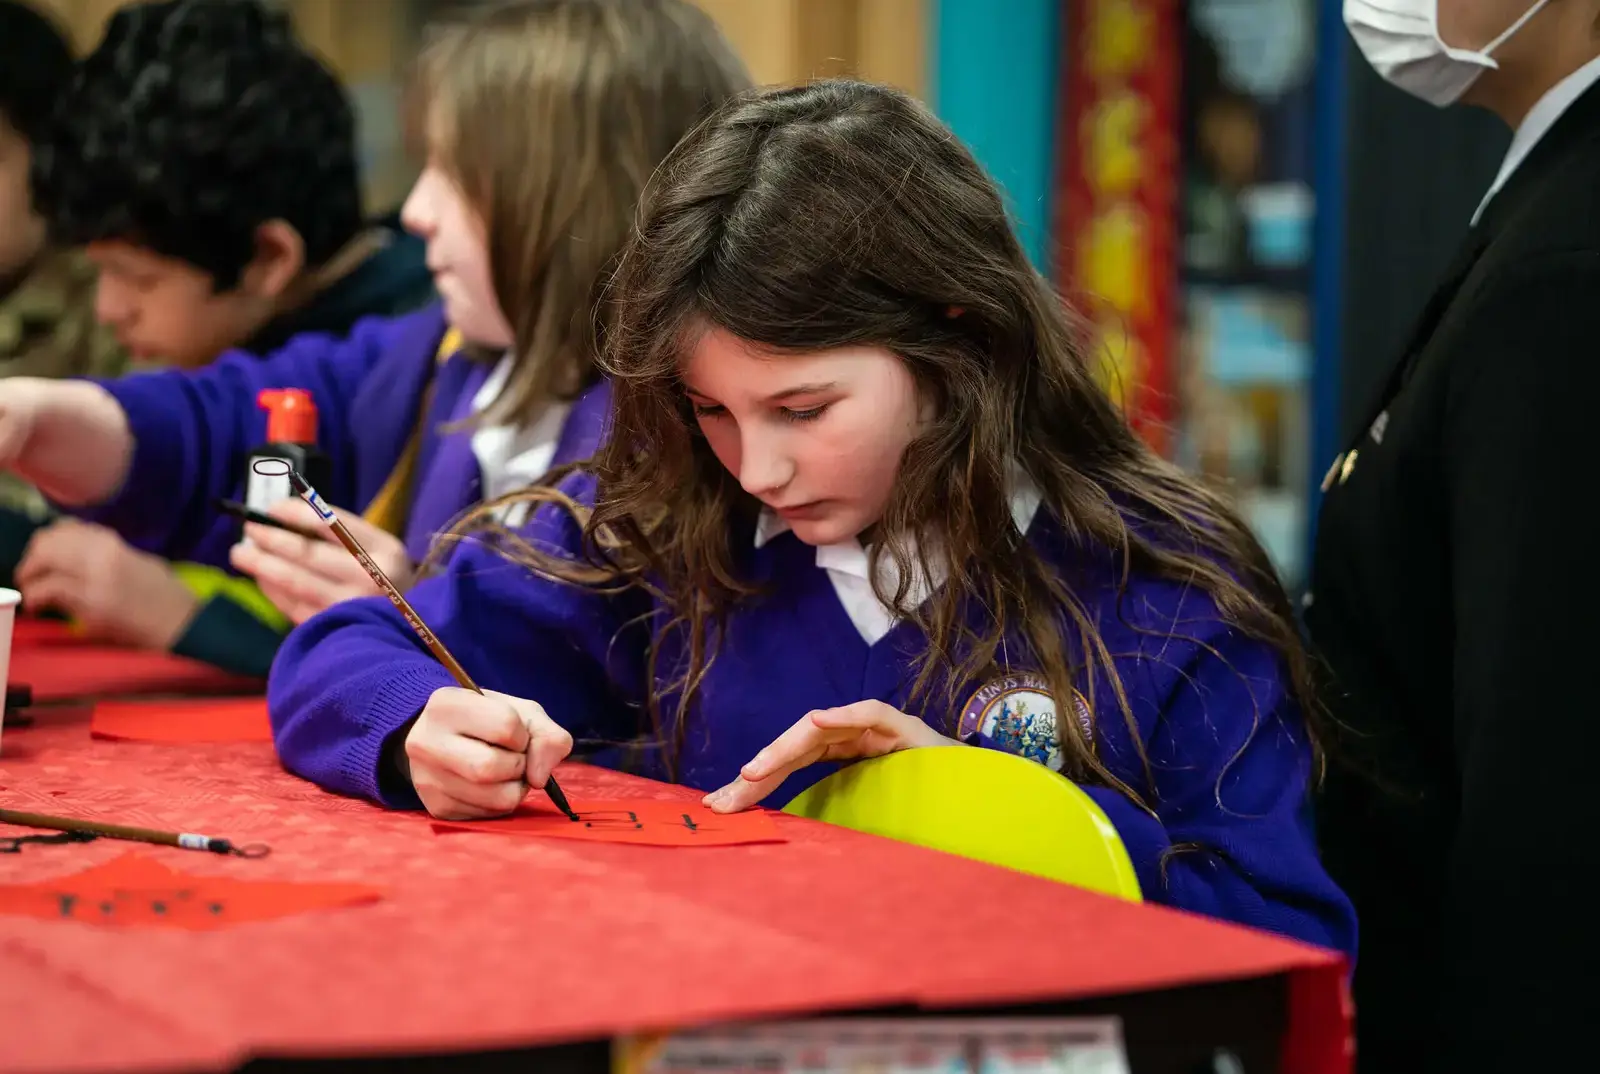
<point>862,492</point>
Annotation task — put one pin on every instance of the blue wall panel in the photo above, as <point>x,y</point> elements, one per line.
<point>994,81</point>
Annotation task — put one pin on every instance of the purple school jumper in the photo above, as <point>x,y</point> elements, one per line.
<point>193,431</point>
<point>348,680</point>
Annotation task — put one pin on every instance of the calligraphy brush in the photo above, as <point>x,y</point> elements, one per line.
<point>183,840</point>
<point>435,646</point>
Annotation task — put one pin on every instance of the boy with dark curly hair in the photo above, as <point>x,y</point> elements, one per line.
<point>206,163</point>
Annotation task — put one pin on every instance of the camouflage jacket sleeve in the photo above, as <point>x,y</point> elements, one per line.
<point>48,329</point>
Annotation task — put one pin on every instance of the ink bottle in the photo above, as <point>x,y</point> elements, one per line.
<point>291,437</point>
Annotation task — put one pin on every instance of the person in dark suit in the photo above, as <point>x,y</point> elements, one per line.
<point>1461,803</point>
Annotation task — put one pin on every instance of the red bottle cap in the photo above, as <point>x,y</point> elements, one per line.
<point>291,415</point>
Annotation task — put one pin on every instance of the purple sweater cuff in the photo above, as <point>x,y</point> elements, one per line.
<point>365,764</point>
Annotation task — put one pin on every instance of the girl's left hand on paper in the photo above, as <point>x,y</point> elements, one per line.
<point>112,590</point>
<point>864,729</point>
<point>303,576</point>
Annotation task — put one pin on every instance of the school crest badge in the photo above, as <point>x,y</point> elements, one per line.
<point>1018,713</point>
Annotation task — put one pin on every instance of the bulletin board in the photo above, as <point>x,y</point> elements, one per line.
<point>1117,194</point>
<point>1187,226</point>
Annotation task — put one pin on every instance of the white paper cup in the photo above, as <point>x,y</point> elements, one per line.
<point>9,599</point>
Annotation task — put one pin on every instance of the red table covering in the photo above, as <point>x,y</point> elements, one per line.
<point>76,670</point>
<point>484,942</point>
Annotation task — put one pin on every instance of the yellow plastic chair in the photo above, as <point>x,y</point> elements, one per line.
<point>978,803</point>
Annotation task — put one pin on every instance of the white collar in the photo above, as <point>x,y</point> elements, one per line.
<point>513,456</point>
<point>1540,118</point>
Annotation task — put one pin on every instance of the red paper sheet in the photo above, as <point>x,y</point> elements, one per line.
<point>642,822</point>
<point>226,719</point>
<point>138,890</point>
<point>76,672</point>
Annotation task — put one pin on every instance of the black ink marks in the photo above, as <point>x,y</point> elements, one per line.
<point>126,906</point>
<point>688,822</point>
<point>601,822</point>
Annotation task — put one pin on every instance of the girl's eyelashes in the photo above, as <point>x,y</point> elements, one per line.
<point>716,410</point>
<point>804,415</point>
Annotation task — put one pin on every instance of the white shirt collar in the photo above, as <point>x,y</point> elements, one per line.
<point>1540,118</point>
<point>512,457</point>
<point>849,565</point>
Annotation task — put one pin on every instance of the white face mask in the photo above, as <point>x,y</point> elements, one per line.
<point>1400,38</point>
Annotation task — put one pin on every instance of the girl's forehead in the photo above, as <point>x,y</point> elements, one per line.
<point>718,346</point>
<point>714,360</point>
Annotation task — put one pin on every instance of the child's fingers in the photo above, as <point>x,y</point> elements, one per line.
<point>286,580</point>
<point>314,582</point>
<point>248,557</point>
<point>290,590</point>
<point>55,549</point>
<point>262,559</point>
<point>870,728</point>
<point>285,601</point>
<point>36,570</point>
<point>449,797</point>
<point>55,590</point>
<point>824,734</point>
<point>248,560</point>
<point>861,715</point>
<point>741,794</point>
<point>803,739</point>
<point>490,718</point>
<point>322,563</point>
<point>372,538</point>
<point>296,512</point>
<point>479,763</point>
<point>801,745</point>
<point>278,542</point>
<point>449,767</point>
<point>444,807</point>
<point>297,610</point>
<point>548,742</point>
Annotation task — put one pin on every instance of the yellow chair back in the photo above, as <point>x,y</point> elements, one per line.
<point>978,803</point>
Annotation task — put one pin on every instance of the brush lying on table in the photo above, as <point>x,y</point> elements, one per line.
<point>102,829</point>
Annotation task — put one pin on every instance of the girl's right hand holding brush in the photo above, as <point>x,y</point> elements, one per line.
<point>473,755</point>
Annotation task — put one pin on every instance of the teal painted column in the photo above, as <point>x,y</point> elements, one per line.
<point>994,81</point>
